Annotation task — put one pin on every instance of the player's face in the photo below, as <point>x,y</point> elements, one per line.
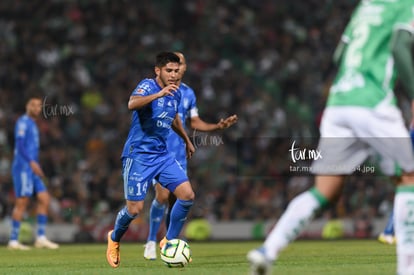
<point>34,107</point>
<point>169,74</point>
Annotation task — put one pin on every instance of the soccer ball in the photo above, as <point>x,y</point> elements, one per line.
<point>176,253</point>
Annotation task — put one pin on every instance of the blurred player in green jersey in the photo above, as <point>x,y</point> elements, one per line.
<point>361,115</point>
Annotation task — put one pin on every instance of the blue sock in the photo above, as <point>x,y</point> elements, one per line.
<point>178,216</point>
<point>156,215</point>
<point>168,218</point>
<point>14,235</point>
<point>41,225</point>
<point>389,228</point>
<point>123,219</point>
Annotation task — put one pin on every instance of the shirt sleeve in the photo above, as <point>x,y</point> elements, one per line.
<point>401,45</point>
<point>21,129</point>
<point>143,88</point>
<point>22,151</point>
<point>193,110</point>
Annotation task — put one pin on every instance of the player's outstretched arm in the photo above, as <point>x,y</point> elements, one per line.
<point>198,124</point>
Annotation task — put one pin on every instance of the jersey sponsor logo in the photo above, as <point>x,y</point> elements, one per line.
<point>163,124</point>
<point>143,87</point>
<point>160,102</point>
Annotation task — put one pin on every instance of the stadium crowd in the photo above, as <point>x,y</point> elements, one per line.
<point>267,61</point>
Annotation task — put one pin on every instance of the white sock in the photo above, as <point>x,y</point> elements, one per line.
<point>404,228</point>
<point>297,216</point>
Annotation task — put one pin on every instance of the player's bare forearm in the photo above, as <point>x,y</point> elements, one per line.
<point>137,102</point>
<point>179,129</point>
<point>198,124</point>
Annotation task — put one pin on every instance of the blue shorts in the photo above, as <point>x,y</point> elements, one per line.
<point>138,176</point>
<point>26,183</point>
<point>183,166</point>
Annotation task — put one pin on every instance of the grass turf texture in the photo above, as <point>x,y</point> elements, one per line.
<point>301,257</point>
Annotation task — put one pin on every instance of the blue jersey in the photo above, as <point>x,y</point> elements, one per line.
<point>26,136</point>
<point>187,108</point>
<point>25,182</point>
<point>151,124</point>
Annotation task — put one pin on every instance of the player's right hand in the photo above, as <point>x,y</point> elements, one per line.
<point>36,169</point>
<point>226,123</point>
<point>168,90</point>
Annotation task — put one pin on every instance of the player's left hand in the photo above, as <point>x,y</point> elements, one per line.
<point>226,123</point>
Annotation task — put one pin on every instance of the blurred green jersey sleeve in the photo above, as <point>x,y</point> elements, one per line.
<point>401,48</point>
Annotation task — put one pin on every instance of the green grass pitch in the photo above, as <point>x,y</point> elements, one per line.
<point>301,257</point>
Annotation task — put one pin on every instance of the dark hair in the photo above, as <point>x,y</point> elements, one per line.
<point>31,96</point>
<point>166,57</point>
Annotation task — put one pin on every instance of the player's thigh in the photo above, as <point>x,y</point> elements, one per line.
<point>184,191</point>
<point>387,134</point>
<point>172,175</point>
<point>161,193</point>
<point>137,178</point>
<point>340,149</point>
<point>23,182</point>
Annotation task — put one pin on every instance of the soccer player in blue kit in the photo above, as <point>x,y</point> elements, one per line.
<point>187,110</point>
<point>145,157</point>
<point>27,177</point>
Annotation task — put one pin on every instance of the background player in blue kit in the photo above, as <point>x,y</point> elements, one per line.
<point>187,109</point>
<point>145,156</point>
<point>27,177</point>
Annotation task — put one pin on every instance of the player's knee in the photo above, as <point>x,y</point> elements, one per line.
<point>187,196</point>
<point>45,201</point>
<point>162,197</point>
<point>21,204</point>
<point>184,191</point>
<point>134,208</point>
